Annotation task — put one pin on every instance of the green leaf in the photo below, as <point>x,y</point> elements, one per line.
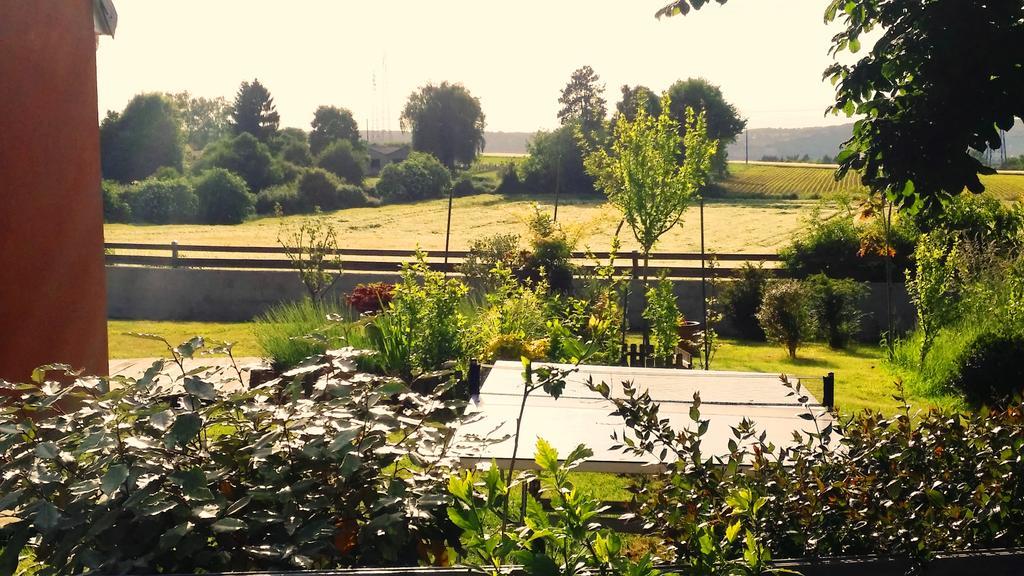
<point>228,525</point>
<point>200,389</point>
<point>186,426</point>
<point>466,521</point>
<point>546,456</point>
<point>47,450</point>
<point>47,516</point>
<point>350,464</point>
<point>112,480</point>
<point>170,539</point>
<point>733,531</point>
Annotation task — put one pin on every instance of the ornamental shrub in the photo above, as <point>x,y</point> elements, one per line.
<point>508,180</point>
<point>223,197</point>
<point>785,314</point>
<point>344,161</point>
<point>371,298</point>
<point>663,317</point>
<point>418,177</point>
<point>741,299</point>
<point>836,307</point>
<point>989,370</point>
<point>162,201</point>
<point>115,207</point>
<point>290,332</point>
<point>487,252</point>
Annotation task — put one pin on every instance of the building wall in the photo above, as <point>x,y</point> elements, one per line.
<point>52,301</point>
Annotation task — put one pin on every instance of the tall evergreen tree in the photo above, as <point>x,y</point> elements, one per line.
<point>254,112</point>
<point>583,101</point>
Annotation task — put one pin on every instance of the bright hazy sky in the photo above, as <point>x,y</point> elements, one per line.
<point>767,55</point>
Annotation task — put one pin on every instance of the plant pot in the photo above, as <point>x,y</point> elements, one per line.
<point>690,334</point>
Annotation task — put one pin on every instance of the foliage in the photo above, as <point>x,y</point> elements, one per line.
<point>331,124</point>
<point>344,161</point>
<point>904,486</point>
<point>204,120</point>
<point>447,122</point>
<point>636,98</point>
<point>253,112</point>
<point>916,90</point>
<point>162,201</point>
<point>555,163</point>
<point>709,341</point>
<point>836,307</point>
<point>550,257</point>
<point>472,184</point>
<point>723,121</point>
<point>785,314</point>
<point>246,156</point>
<point>741,299</point>
<point>290,332</point>
<point>989,370</point>
<point>642,175</point>
<point>115,207</point>
<point>930,287</point>
<point>174,474</point>
<point>508,179</point>
<point>142,138</point>
<point>514,324</point>
<point>283,196</point>
<point>418,177</point>
<point>321,189</point>
<point>582,102</point>
<point>290,145</point>
<point>663,317</point>
<point>422,328</point>
<point>312,249</point>
<point>223,197</point>
<point>371,298</point>
<point>488,252</point>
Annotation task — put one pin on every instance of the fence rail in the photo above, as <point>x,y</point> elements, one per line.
<point>390,260</point>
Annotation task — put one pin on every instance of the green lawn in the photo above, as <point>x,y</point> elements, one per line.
<point>124,346</point>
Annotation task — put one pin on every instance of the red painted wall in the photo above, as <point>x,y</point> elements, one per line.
<point>52,287</point>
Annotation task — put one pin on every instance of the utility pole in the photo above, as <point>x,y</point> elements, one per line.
<point>746,145</point>
<point>558,183</point>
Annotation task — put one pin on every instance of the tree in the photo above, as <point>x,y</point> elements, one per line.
<point>331,124</point>
<point>643,176</point>
<point>583,102</point>
<point>254,112</point>
<point>556,160</point>
<point>344,161</point>
<point>724,122</point>
<point>634,98</point>
<point>785,314</point>
<point>223,198</point>
<point>143,138</point>
<point>246,156</point>
<point>417,177</point>
<point>292,145</point>
<point>447,122</point>
<point>205,120</point>
<point>924,100</point>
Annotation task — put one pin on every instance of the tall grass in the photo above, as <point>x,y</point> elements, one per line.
<point>292,331</point>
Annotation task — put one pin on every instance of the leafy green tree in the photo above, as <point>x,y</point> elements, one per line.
<point>924,101</point>
<point>785,315</point>
<point>254,112</point>
<point>634,98</point>
<point>556,159</point>
<point>724,122</point>
<point>292,145</point>
<point>331,124</point>
<point>447,122</point>
<point>643,177</point>
<point>144,137</point>
<point>204,120</point>
<point>344,161</point>
<point>246,156</point>
<point>171,201</point>
<point>418,177</point>
<point>223,198</point>
<point>583,102</point>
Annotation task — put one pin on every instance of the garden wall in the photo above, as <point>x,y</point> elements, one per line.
<point>190,294</point>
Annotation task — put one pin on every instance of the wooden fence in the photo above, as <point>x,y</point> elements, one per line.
<point>174,255</point>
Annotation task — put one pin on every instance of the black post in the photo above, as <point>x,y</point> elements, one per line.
<point>558,183</point>
<point>448,229</point>
<point>174,253</point>
<point>704,286</point>
<point>829,396</point>
<point>474,378</point>
<point>746,146</point>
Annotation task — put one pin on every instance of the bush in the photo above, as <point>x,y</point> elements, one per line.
<point>838,248</point>
<point>513,324</point>
<point>472,184</point>
<point>246,156</point>
<point>344,161</point>
<point>115,207</point>
<point>321,189</point>
<point>989,370</point>
<point>836,307</point>
<point>487,252</point>
<point>508,180</point>
<point>742,298</point>
<point>284,195</point>
<point>223,198</point>
<point>663,317</point>
<point>290,332</point>
<point>785,314</point>
<point>556,160</point>
<point>550,256</point>
<point>128,478</point>
<point>163,201</point>
<point>371,298</point>
<point>418,177</point>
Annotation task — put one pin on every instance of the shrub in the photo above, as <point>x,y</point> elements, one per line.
<point>344,161</point>
<point>321,189</point>
<point>246,156</point>
<point>487,252</point>
<point>115,207</point>
<point>839,248</point>
<point>163,201</point>
<point>663,317</point>
<point>284,195</point>
<point>223,197</point>
<point>742,298</point>
<point>472,184</point>
<point>127,478</point>
<point>514,323</point>
<point>550,256</point>
<point>508,180</point>
<point>785,314</point>
<point>371,298</point>
<point>290,332</point>
<point>989,371</point>
<point>418,177</point>
<point>836,307</point>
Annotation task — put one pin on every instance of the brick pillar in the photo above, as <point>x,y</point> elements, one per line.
<point>52,285</point>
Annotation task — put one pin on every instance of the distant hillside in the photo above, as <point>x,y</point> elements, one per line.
<point>497,142</point>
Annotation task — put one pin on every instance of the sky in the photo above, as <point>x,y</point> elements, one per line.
<point>515,56</point>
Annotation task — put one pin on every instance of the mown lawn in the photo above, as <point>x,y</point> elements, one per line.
<point>124,346</point>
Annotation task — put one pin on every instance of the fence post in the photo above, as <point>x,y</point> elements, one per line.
<point>474,378</point>
<point>636,265</point>
<point>829,395</point>
<point>174,253</point>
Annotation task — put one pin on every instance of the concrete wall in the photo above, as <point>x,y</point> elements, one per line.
<point>239,295</point>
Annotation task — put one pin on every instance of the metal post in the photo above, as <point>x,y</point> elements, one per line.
<point>448,229</point>
<point>746,146</point>
<point>704,286</point>
<point>829,395</point>
<point>174,253</point>
<point>474,378</point>
<point>558,183</point>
